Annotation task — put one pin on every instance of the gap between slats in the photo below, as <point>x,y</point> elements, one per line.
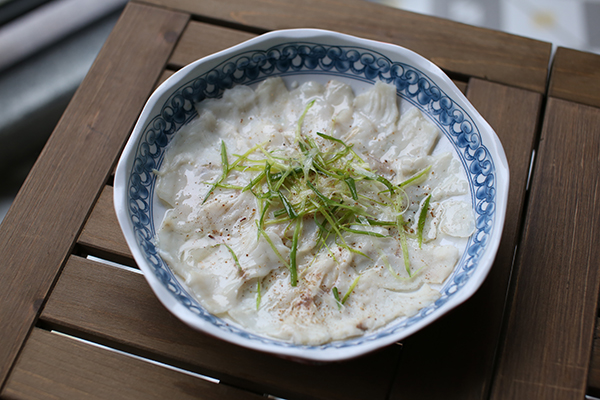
<point>117,308</point>
<point>55,365</point>
<point>473,51</point>
<point>143,359</point>
<point>91,338</point>
<point>594,374</point>
<point>201,39</point>
<point>553,271</point>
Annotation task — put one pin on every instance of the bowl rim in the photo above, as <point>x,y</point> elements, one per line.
<point>312,353</point>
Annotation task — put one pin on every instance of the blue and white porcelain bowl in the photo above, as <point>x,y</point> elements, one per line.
<point>299,55</point>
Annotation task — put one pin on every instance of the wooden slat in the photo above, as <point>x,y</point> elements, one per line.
<point>101,235</point>
<point>116,306</point>
<point>164,76</point>
<point>53,366</point>
<point>38,232</point>
<point>462,86</point>
<point>594,372</point>
<point>575,76</point>
<point>463,343</point>
<point>200,40</point>
<point>550,325</point>
<point>455,47</point>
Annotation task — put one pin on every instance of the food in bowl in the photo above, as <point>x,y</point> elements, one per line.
<point>311,214</point>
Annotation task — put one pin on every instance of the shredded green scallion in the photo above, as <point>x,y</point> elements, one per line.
<point>350,289</point>
<point>336,295</point>
<point>258,296</point>
<point>403,244</point>
<point>293,267</point>
<point>235,259</point>
<point>422,217</point>
<point>333,186</point>
<point>225,168</point>
<point>415,178</point>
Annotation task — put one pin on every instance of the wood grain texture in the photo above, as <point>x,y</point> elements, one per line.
<point>461,49</point>
<point>101,236</point>
<point>39,230</point>
<point>550,323</point>
<point>53,366</point>
<point>594,371</point>
<point>200,40</point>
<point>167,73</point>
<point>466,338</point>
<point>462,86</point>
<point>575,76</point>
<point>117,307</point>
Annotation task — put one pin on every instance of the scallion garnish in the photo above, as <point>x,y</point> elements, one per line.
<point>235,259</point>
<point>293,261</point>
<point>287,206</point>
<point>403,243</point>
<point>225,169</point>
<point>336,293</point>
<point>258,296</point>
<point>422,216</point>
<point>386,183</point>
<point>336,296</point>
<point>352,186</point>
<point>334,186</point>
<point>415,178</point>
<point>254,181</point>
<point>350,289</point>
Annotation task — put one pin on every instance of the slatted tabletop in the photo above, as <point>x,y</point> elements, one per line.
<point>78,319</point>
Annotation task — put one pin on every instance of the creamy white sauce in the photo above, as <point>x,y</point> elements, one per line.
<point>193,235</point>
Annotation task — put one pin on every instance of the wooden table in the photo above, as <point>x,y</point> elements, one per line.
<point>72,326</point>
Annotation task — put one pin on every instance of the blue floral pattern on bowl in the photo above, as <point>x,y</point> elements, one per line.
<point>296,58</point>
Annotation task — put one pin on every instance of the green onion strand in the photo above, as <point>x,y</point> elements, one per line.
<point>352,187</point>
<point>413,179</point>
<point>336,296</point>
<point>422,217</point>
<point>293,261</point>
<point>350,289</point>
<point>235,259</point>
<point>334,186</point>
<point>258,296</point>
<point>289,209</point>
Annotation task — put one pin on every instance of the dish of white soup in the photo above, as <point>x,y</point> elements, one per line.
<point>312,214</point>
